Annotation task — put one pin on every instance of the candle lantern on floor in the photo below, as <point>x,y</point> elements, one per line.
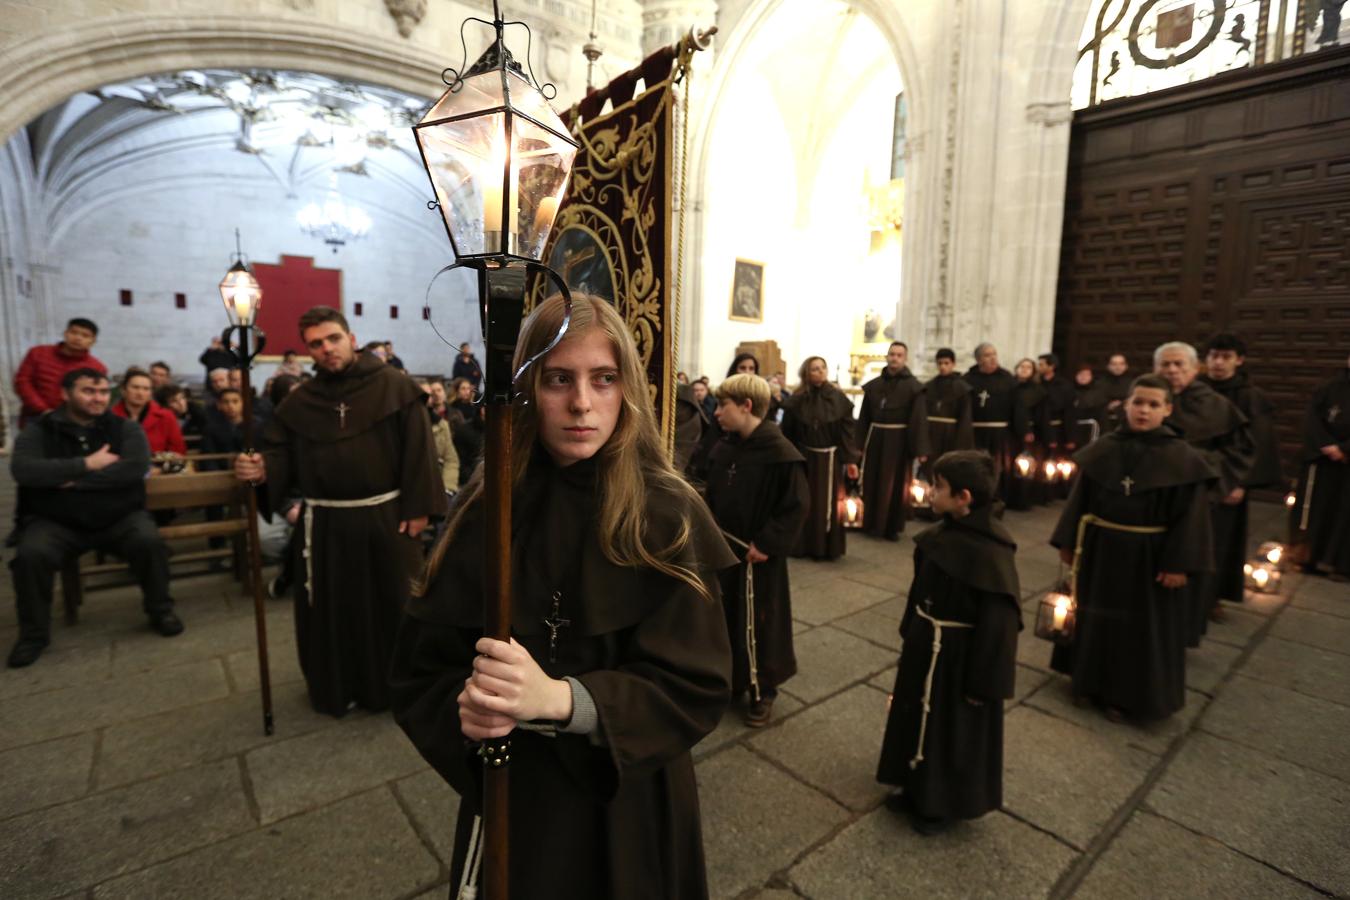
<point>1055,617</point>
<point>1271,552</point>
<point>1261,577</point>
<point>1065,467</point>
<point>1051,471</point>
<point>1024,463</point>
<point>851,510</point>
<point>920,493</point>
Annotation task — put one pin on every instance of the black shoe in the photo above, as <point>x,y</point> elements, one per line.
<point>897,802</point>
<point>25,653</point>
<point>167,624</point>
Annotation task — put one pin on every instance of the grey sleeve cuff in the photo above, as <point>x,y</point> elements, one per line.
<point>585,719</point>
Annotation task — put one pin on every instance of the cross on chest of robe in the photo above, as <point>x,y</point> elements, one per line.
<point>983,395</point>
<point>1334,413</point>
<point>1127,482</point>
<point>342,410</point>
<point>554,623</point>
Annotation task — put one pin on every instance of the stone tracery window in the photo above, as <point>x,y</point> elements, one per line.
<point>1133,47</point>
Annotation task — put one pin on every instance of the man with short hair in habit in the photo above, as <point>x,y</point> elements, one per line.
<point>1058,436</point>
<point>893,431</point>
<point>992,399</point>
<point>1219,430</point>
<point>81,475</point>
<point>356,444</point>
<point>1321,513</point>
<point>757,492</point>
<point>1225,355</point>
<point>39,377</point>
<point>466,366</point>
<point>947,401</point>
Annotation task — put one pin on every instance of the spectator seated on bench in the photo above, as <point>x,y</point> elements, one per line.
<point>81,474</point>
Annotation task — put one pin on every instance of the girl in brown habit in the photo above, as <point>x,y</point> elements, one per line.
<point>620,660</point>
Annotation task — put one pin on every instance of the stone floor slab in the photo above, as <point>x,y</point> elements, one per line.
<point>1056,698</point>
<point>880,855</point>
<point>732,727</point>
<point>1298,667</point>
<point>1033,652</point>
<point>283,661</point>
<point>818,603</point>
<point>1324,596</point>
<point>291,776</point>
<point>45,774</point>
<point>1037,576</point>
<point>872,626</point>
<point>1028,681</point>
<point>142,651</point>
<point>76,845</point>
<point>756,820</point>
<point>884,680</point>
<point>434,807</point>
<point>1209,664</point>
<point>1152,857</point>
<point>361,847</point>
<point>829,659</point>
<point>1065,779</point>
<point>1313,628</point>
<point>58,667</point>
<point>185,737</point>
<point>833,746</point>
<point>1238,628</point>
<point>1287,816</point>
<point>1306,730</point>
<point>37,717</point>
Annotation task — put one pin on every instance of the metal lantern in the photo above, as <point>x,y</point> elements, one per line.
<point>1272,552</point>
<point>1051,471</point>
<point>1066,468</point>
<point>920,493</point>
<point>239,290</point>
<point>1261,577</point>
<point>1055,617</point>
<point>851,510</point>
<point>1025,462</point>
<point>498,157</point>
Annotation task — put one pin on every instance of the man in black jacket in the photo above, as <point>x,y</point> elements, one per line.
<point>81,476</point>
<point>466,366</point>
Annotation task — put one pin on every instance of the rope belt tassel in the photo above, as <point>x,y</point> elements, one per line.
<point>751,644</point>
<point>829,489</point>
<point>311,504</point>
<point>938,625</point>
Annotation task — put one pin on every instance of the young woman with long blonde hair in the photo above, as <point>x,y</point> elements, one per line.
<point>620,660</point>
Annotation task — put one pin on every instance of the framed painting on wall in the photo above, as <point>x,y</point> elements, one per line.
<point>747,291</point>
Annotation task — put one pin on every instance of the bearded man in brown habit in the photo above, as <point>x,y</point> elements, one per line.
<point>355,443</point>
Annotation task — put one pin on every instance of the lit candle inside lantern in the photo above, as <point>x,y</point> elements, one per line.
<point>1024,464</point>
<point>1274,553</point>
<point>852,506</point>
<point>548,209</point>
<point>1289,499</point>
<point>1051,470</point>
<point>494,168</point>
<point>917,491</point>
<point>1065,468</point>
<point>1261,576</point>
<point>1061,612</point>
<point>1247,569</point>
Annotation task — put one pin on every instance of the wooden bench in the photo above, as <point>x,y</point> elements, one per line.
<point>183,492</point>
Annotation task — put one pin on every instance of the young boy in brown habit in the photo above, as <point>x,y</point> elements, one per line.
<point>944,734</point>
<point>757,493</point>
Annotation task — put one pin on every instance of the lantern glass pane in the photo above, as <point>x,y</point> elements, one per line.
<point>543,161</point>
<point>466,160</point>
<point>481,92</point>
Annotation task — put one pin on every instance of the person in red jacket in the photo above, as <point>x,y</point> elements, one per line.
<point>38,381</point>
<point>160,425</point>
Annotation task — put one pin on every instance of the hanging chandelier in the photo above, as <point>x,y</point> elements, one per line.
<point>335,221</point>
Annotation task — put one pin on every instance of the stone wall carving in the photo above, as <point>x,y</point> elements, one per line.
<point>406,14</point>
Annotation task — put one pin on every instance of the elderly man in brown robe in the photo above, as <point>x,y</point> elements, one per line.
<point>1222,434</point>
<point>356,444</point>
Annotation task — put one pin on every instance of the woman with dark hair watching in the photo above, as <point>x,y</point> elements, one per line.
<point>818,419</point>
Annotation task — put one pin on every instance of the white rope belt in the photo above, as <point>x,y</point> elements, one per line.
<point>751,645</point>
<point>1307,497</point>
<point>862,468</point>
<point>829,490</point>
<point>310,504</point>
<point>942,420</point>
<point>988,424</point>
<point>938,625</point>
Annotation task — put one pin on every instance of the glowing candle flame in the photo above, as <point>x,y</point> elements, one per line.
<point>1024,465</point>
<point>1274,554</point>
<point>1289,499</point>
<point>1065,468</point>
<point>1061,611</point>
<point>1051,470</point>
<point>851,505</point>
<point>918,491</point>
<point>1261,576</point>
